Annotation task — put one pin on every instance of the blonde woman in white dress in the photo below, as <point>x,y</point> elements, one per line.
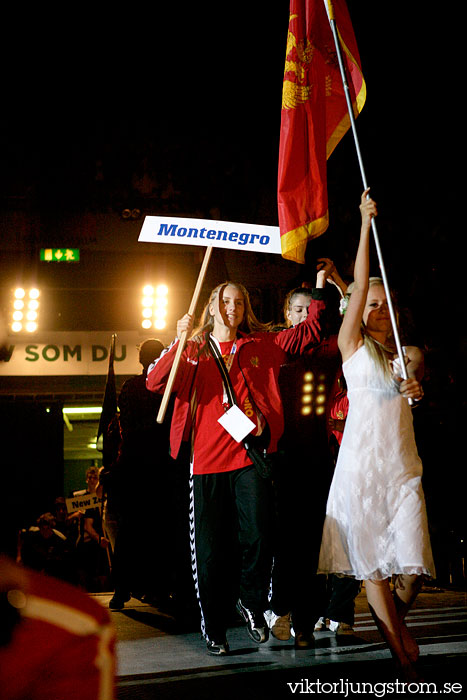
<point>376,526</point>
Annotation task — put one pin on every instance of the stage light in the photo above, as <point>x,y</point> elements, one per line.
<point>25,306</point>
<point>154,306</point>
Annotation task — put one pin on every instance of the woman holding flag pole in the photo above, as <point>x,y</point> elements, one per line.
<point>376,525</point>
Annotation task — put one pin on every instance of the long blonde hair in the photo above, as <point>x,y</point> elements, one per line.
<point>249,324</point>
<point>379,352</point>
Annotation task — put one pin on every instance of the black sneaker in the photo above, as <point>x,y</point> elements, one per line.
<point>217,648</point>
<point>255,623</point>
<point>118,601</point>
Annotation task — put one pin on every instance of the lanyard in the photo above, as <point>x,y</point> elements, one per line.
<point>228,364</point>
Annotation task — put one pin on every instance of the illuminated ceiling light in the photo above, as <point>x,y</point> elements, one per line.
<point>92,446</point>
<point>308,377</point>
<point>16,327</point>
<point>147,301</point>
<point>162,290</point>
<point>148,290</point>
<point>159,324</point>
<point>160,313</point>
<point>321,388</point>
<point>33,304</point>
<point>147,313</point>
<point>31,326</point>
<point>20,293</point>
<point>320,399</point>
<point>307,388</point>
<point>319,410</point>
<point>70,410</point>
<point>31,315</point>
<point>306,398</point>
<point>306,410</point>
<point>34,293</point>
<point>17,315</point>
<point>18,304</point>
<point>146,323</point>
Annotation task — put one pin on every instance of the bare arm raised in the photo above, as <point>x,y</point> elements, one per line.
<point>350,337</point>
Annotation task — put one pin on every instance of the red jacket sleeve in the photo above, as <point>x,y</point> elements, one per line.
<point>296,340</point>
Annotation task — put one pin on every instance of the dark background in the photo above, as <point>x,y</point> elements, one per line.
<point>97,103</point>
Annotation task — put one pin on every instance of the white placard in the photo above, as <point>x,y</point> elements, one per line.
<point>209,232</point>
<point>83,502</point>
<point>237,424</point>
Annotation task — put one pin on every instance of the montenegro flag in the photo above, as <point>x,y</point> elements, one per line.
<point>314,117</point>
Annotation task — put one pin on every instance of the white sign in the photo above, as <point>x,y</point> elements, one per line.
<point>237,424</point>
<point>84,502</point>
<point>62,353</point>
<point>208,232</point>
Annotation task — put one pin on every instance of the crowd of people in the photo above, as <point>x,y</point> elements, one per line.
<point>71,546</point>
<point>282,508</point>
<point>259,493</point>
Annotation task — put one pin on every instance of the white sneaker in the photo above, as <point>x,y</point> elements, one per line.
<point>320,625</point>
<point>340,627</point>
<point>279,625</point>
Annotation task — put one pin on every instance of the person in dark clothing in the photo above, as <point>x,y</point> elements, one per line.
<point>141,491</point>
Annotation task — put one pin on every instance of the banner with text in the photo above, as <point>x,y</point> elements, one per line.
<point>209,232</point>
<point>84,502</point>
<point>70,353</point>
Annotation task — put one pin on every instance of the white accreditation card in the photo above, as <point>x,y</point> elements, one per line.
<point>237,424</point>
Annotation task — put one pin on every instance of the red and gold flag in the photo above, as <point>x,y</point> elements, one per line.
<point>314,117</point>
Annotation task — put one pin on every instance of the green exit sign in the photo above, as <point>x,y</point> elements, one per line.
<point>60,254</point>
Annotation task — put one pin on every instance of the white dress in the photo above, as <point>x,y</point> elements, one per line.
<point>376,522</point>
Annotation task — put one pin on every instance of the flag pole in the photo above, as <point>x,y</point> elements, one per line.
<point>332,22</point>
<point>183,338</point>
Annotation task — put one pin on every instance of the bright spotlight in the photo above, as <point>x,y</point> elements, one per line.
<point>154,306</point>
<point>18,307</point>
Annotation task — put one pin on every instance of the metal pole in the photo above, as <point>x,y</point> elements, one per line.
<point>392,314</point>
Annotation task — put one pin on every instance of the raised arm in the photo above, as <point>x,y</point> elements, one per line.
<point>350,337</point>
